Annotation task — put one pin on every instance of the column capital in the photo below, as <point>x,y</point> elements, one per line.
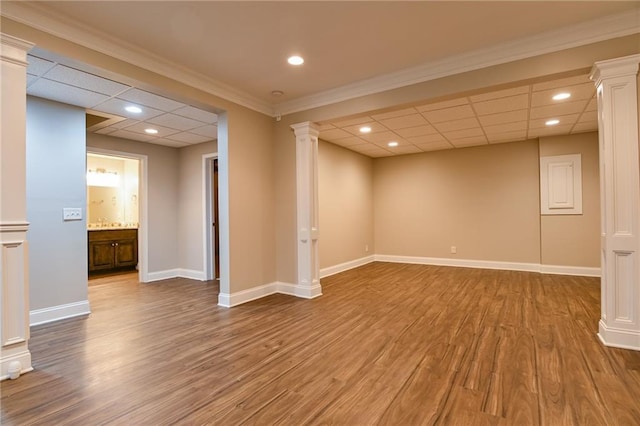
<point>619,67</point>
<point>306,128</point>
<point>13,49</point>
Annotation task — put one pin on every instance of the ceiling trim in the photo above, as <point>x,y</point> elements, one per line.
<point>610,27</point>
<point>58,25</point>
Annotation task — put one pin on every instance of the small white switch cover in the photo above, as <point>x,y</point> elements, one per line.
<point>71,214</point>
<point>454,250</point>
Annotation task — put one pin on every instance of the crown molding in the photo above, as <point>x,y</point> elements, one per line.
<point>40,18</point>
<point>585,33</point>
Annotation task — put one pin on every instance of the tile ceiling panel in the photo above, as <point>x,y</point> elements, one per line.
<point>331,135</point>
<point>500,94</point>
<point>458,134</point>
<point>176,122</point>
<point>350,141</point>
<point>382,137</point>
<point>589,116</point>
<point>553,111</point>
<point>189,138</point>
<point>31,79</point>
<point>405,121</point>
<point>549,131</point>
<point>405,149</point>
<point>162,131</point>
<point>131,135</point>
<point>416,131</point>
<point>38,66</point>
<point>76,78</point>
<point>578,92</point>
<point>442,105</point>
<point>209,130</point>
<point>197,114</point>
<point>564,120</point>
<point>508,137</point>
<point>64,93</point>
<point>593,105</point>
<point>507,104</point>
<point>588,126</point>
<point>355,129</point>
<point>169,143</point>
<point>117,107</point>
<point>351,121</point>
<point>124,123</point>
<point>106,130</point>
<point>505,128</point>
<point>436,146</point>
<point>561,83</point>
<point>449,114</point>
<point>427,139</point>
<point>450,126</point>
<point>326,126</point>
<point>474,141</point>
<point>141,97</point>
<point>394,114</point>
<point>504,117</point>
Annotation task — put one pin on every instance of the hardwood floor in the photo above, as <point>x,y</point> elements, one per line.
<point>386,344</point>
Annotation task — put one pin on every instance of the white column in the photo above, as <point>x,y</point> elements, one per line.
<point>308,285</point>
<point>15,358</point>
<point>616,82</point>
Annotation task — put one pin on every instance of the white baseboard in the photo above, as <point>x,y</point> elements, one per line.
<point>300,291</point>
<point>191,274</point>
<point>227,300</point>
<point>570,270</point>
<point>175,273</point>
<point>60,312</point>
<point>617,338</point>
<point>336,269</point>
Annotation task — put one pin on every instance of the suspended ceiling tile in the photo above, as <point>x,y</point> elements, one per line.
<point>435,146</point>
<point>64,93</point>
<point>188,138</point>
<point>504,117</point>
<point>564,120</point>
<point>563,82</point>
<point>553,111</point>
<point>132,135</point>
<point>507,104</point>
<point>73,77</point>
<point>587,126</point>
<point>505,128</point>
<point>591,116</point>
<point>442,105</point>
<point>405,149</point>
<point>31,79</point>
<point>592,105</point>
<point>209,130</point>
<point>417,131</point>
<point>500,94</point>
<point>325,126</point>
<point>549,131</point>
<point>350,141</point>
<point>467,133</point>
<point>38,66</point>
<point>175,122</point>
<point>106,130</point>
<point>162,131</point>
<point>465,142</point>
<point>450,126</point>
<point>508,137</point>
<point>382,137</point>
<point>197,114</point>
<point>352,121</point>
<point>449,114</point>
<point>427,139</point>
<point>124,123</point>
<point>117,107</point>
<point>394,114</point>
<point>578,92</point>
<point>374,125</point>
<point>331,135</point>
<point>169,143</point>
<point>141,97</point>
<point>405,121</point>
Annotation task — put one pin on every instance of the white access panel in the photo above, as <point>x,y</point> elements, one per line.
<point>561,184</point>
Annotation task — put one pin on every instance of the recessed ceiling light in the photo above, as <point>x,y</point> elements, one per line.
<point>151,131</point>
<point>365,129</point>
<point>552,122</point>
<point>133,109</point>
<point>295,60</point>
<point>392,144</point>
<point>561,96</point>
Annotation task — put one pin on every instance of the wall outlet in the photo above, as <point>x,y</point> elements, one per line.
<point>366,248</point>
<point>454,249</point>
<point>71,214</point>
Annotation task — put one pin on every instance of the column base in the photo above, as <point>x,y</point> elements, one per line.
<point>617,338</point>
<point>303,291</point>
<point>15,362</point>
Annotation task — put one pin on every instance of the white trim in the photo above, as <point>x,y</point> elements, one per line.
<point>191,274</point>
<point>336,269</point>
<point>54,23</point>
<point>207,215</point>
<point>553,41</point>
<point>227,300</point>
<point>583,271</point>
<point>462,263</point>
<point>163,275</point>
<point>303,292</point>
<point>616,338</point>
<point>143,206</point>
<point>14,226</point>
<point>60,312</point>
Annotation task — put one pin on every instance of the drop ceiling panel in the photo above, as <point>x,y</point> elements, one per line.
<point>564,120</point>
<point>31,79</point>
<point>562,82</point>
<point>131,135</point>
<point>475,131</point>
<point>592,105</point>
<point>333,134</point>
<point>449,114</point>
<point>406,149</point>
<point>416,131</point>
<point>124,123</point>
<point>578,92</point>
<point>450,126</point>
<point>375,128</point>
<point>38,66</point>
<point>176,122</point>
<point>507,104</point>
<point>106,130</point>
<point>549,131</point>
<point>169,143</point>
<point>209,130</point>
<point>473,141</point>
<point>141,97</point>
<point>394,114</point>
<point>197,114</point>
<point>189,138</point>
<point>76,78</point>
<point>64,93</point>
<point>350,141</point>
<point>504,118</point>
<point>351,121</point>
<point>405,121</point>
<point>508,137</point>
<point>326,126</point>
<point>506,128</point>
<point>435,146</point>
<point>117,107</point>
<point>442,105</point>
<point>427,139</point>
<point>382,137</point>
<point>585,127</point>
<point>553,111</point>
<point>500,94</point>
<point>589,116</point>
<point>162,131</point>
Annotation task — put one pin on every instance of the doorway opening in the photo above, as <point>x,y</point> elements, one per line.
<point>211,228</point>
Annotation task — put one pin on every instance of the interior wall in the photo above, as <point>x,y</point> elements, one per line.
<point>162,194</point>
<point>191,205</point>
<point>574,240</point>
<point>345,194</point>
<point>482,200</point>
<point>55,164</point>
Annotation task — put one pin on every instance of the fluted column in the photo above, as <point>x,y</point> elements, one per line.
<point>308,284</point>
<point>15,357</point>
<point>617,89</point>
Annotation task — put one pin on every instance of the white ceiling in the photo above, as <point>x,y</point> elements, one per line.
<point>238,51</point>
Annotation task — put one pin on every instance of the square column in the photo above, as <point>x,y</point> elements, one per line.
<point>617,90</point>
<point>15,357</point>
<point>308,284</point>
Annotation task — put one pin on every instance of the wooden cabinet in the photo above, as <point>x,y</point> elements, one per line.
<point>113,249</point>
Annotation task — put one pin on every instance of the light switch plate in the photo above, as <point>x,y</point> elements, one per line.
<point>71,214</point>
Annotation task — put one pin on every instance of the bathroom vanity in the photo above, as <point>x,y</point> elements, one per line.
<point>113,249</point>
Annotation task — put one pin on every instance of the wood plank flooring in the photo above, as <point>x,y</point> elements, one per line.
<point>386,344</point>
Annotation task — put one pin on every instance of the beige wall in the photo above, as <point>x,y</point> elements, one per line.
<point>345,193</point>
<point>190,205</point>
<point>574,240</point>
<point>483,200</point>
